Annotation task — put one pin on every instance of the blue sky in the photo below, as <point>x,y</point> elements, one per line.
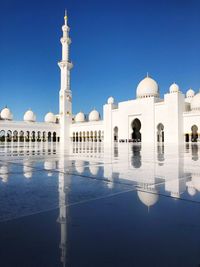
<point>114,44</point>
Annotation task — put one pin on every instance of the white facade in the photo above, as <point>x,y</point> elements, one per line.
<point>146,119</point>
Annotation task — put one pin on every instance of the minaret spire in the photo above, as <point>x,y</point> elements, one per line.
<point>65,105</point>
<point>65,17</point>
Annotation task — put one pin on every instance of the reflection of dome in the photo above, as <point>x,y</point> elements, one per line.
<point>6,114</point>
<point>110,100</point>
<point>148,199</point>
<point>94,169</point>
<point>195,103</point>
<point>27,171</point>
<point>80,117</point>
<point>49,165</point>
<point>94,115</point>
<point>191,191</point>
<point>174,88</point>
<point>4,177</point>
<point>175,194</point>
<point>3,169</point>
<point>196,181</point>
<point>29,116</point>
<point>147,88</point>
<point>190,93</point>
<point>50,117</point>
<point>79,166</point>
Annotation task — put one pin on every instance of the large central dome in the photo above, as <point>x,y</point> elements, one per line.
<point>148,87</point>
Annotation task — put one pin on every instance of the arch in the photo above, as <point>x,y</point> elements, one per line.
<point>194,135</point>
<point>9,136</point>
<point>83,136</point>
<point>49,137</point>
<point>27,136</point>
<point>136,126</point>
<point>74,138</point>
<point>15,136</point>
<point>33,136</point>
<point>115,134</point>
<point>95,136</point>
<point>54,137</point>
<point>99,136</point>
<point>21,136</point>
<point>2,136</point>
<point>187,138</point>
<point>80,136</point>
<point>160,133</point>
<point>91,136</point>
<point>44,136</point>
<point>39,136</point>
<point>88,136</point>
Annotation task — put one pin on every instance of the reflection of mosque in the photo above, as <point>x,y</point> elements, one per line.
<point>173,168</point>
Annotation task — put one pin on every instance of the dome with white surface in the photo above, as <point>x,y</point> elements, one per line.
<point>50,118</point>
<point>195,103</point>
<point>94,115</point>
<point>80,117</point>
<point>147,198</point>
<point>174,88</point>
<point>29,116</point>
<point>190,93</point>
<point>6,114</point>
<point>148,87</point>
<point>110,100</point>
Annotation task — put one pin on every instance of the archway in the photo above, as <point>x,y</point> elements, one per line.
<point>2,136</point>
<point>9,136</point>
<point>21,136</point>
<point>187,138</point>
<point>54,137</point>
<point>160,133</point>
<point>136,135</point>
<point>115,134</point>
<point>194,136</point>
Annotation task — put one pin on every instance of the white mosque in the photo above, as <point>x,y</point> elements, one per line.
<point>146,119</point>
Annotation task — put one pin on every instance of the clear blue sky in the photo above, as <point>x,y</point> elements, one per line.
<point>114,44</point>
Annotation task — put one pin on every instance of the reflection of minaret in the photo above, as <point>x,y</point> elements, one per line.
<point>63,214</point>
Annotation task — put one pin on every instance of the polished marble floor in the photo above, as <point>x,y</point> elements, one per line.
<point>93,205</point>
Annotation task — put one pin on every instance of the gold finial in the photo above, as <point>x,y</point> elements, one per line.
<point>65,17</point>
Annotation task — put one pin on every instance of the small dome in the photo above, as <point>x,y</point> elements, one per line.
<point>174,88</point>
<point>94,115</point>
<point>147,88</point>
<point>195,103</point>
<point>147,198</point>
<point>80,117</point>
<point>29,116</point>
<point>50,117</point>
<point>6,114</point>
<point>190,93</point>
<point>110,100</point>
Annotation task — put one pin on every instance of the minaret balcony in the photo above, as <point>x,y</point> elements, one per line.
<point>65,63</point>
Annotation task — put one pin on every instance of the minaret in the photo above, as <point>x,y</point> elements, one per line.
<point>65,105</point>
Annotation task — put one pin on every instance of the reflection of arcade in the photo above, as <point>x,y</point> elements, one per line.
<point>136,156</point>
<point>160,154</point>
<point>194,148</point>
